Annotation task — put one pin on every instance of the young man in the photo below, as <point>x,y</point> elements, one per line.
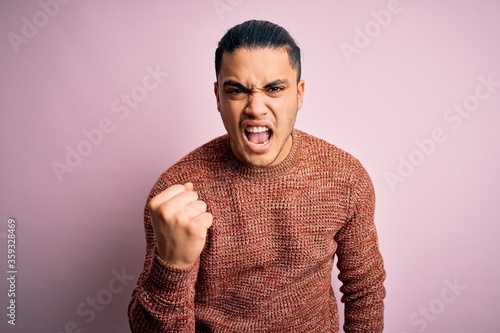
<point>241,233</point>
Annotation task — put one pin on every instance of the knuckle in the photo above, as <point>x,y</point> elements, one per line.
<point>167,211</point>
<point>152,204</point>
<point>202,205</point>
<point>193,230</point>
<point>194,195</point>
<point>165,208</point>
<point>183,217</point>
<point>209,218</point>
<point>204,219</point>
<point>183,220</point>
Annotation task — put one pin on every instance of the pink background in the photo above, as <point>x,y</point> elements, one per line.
<point>438,228</point>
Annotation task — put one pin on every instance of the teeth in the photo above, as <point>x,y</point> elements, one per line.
<point>257,129</point>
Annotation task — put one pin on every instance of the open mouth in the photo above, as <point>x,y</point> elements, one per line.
<point>258,135</point>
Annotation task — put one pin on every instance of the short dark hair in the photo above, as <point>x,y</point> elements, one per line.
<point>258,34</point>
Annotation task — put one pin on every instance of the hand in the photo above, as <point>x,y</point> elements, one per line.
<point>180,223</point>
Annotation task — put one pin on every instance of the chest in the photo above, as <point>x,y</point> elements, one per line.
<point>262,225</point>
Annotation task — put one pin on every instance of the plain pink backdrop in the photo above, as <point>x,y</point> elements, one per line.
<point>381,77</point>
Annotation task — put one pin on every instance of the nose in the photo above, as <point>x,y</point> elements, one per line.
<point>256,105</point>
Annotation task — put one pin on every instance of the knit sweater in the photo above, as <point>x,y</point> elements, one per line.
<point>266,265</point>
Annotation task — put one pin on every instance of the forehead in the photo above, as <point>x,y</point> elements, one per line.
<point>256,66</point>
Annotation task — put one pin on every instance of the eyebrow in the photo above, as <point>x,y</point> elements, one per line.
<point>244,88</point>
<point>235,84</point>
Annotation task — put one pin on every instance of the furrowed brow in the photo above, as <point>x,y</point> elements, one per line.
<point>275,83</point>
<point>236,85</point>
<point>240,86</point>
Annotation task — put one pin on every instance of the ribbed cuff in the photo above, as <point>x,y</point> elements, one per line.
<point>171,284</point>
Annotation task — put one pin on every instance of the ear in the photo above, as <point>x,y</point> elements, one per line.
<point>300,93</point>
<point>216,92</point>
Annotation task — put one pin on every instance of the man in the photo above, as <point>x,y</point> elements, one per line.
<point>241,233</point>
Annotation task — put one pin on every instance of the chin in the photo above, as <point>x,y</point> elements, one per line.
<point>260,161</point>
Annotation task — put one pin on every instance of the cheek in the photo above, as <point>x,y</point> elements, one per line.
<point>284,109</point>
<point>229,118</point>
<point>234,109</point>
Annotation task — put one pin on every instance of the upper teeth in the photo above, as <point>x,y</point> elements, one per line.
<point>257,129</point>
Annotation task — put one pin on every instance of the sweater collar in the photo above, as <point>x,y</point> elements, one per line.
<point>248,171</point>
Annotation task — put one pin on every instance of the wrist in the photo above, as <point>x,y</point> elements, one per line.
<point>171,261</point>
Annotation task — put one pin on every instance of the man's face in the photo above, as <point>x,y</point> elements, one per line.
<point>258,98</point>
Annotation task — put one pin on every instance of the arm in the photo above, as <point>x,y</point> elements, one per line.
<point>360,262</point>
<point>163,299</point>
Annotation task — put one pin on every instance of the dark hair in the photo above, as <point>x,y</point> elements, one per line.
<point>258,34</point>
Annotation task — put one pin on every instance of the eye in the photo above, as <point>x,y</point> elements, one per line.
<point>276,89</point>
<point>234,91</point>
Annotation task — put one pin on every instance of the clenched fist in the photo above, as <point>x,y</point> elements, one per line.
<point>180,222</point>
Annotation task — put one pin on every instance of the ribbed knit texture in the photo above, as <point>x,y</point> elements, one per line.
<point>267,262</point>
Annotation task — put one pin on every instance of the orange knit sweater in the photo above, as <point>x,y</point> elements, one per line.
<point>267,262</point>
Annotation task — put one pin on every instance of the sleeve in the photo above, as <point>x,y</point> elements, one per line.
<point>163,298</point>
<point>360,263</point>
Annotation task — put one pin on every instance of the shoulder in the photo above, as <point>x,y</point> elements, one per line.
<point>327,156</point>
<point>340,168</point>
<point>321,159</point>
